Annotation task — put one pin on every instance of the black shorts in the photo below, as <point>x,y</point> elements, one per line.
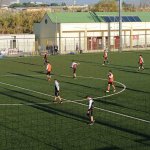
<point>141,64</point>
<point>111,83</point>
<point>105,58</point>
<point>48,73</point>
<point>56,93</point>
<point>45,60</point>
<point>90,112</point>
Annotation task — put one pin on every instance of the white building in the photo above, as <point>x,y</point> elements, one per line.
<point>88,31</point>
<point>20,42</point>
<point>8,2</point>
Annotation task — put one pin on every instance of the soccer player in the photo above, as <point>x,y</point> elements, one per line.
<point>74,67</point>
<point>90,110</point>
<point>105,56</point>
<point>57,90</point>
<point>110,81</point>
<point>141,62</point>
<point>48,69</point>
<point>45,59</point>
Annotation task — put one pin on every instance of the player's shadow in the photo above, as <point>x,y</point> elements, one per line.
<point>106,102</point>
<point>81,85</point>
<point>143,141</point>
<point>7,127</point>
<point>78,117</point>
<point>39,72</point>
<point>60,112</point>
<point>89,62</point>
<point>25,63</point>
<point>137,90</point>
<point>109,148</point>
<point>126,70</point>
<point>21,97</point>
<point>40,106</point>
<point>26,76</point>
<point>81,118</point>
<point>122,66</point>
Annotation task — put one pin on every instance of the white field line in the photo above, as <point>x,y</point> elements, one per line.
<point>116,93</point>
<point>76,101</point>
<point>113,112</point>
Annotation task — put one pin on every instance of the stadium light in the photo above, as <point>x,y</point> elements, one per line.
<point>120,25</point>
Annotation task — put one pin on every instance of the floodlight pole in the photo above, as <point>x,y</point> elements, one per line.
<point>120,25</point>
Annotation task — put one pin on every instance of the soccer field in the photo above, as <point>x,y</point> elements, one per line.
<point>29,120</point>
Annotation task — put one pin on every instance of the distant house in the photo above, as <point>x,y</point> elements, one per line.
<point>93,31</point>
<point>18,42</point>
<point>8,2</point>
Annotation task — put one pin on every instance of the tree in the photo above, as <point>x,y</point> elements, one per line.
<point>106,6</point>
<point>21,22</point>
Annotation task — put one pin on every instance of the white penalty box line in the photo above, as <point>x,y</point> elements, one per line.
<point>73,101</point>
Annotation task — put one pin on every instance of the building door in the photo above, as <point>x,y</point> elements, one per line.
<point>94,43</point>
<point>13,43</point>
<point>117,42</point>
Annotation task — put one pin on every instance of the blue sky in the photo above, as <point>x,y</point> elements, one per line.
<point>85,1</point>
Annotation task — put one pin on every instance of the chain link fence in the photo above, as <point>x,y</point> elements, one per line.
<point>66,45</point>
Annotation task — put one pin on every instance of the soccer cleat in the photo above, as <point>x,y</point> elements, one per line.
<point>91,123</point>
<point>107,91</point>
<point>60,102</point>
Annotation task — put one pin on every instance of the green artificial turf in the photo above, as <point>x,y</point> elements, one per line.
<point>30,121</point>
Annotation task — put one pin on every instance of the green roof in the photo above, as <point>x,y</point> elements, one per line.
<point>73,17</point>
<point>91,17</point>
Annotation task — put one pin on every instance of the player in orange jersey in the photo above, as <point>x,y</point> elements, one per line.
<point>48,69</point>
<point>141,62</point>
<point>110,81</point>
<point>105,56</point>
<point>74,68</point>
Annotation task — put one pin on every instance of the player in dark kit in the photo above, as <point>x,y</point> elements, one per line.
<point>90,110</point>
<point>57,90</point>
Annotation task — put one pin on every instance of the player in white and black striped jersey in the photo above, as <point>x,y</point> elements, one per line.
<point>90,110</point>
<point>57,90</point>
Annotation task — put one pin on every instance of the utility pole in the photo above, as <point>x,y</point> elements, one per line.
<point>120,25</point>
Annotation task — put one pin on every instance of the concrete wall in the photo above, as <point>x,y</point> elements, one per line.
<point>23,42</point>
<point>69,36</point>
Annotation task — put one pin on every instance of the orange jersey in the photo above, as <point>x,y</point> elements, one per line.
<point>110,77</point>
<point>49,68</point>
<point>141,60</point>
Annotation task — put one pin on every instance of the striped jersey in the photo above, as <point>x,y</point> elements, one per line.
<point>91,103</point>
<point>57,87</point>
